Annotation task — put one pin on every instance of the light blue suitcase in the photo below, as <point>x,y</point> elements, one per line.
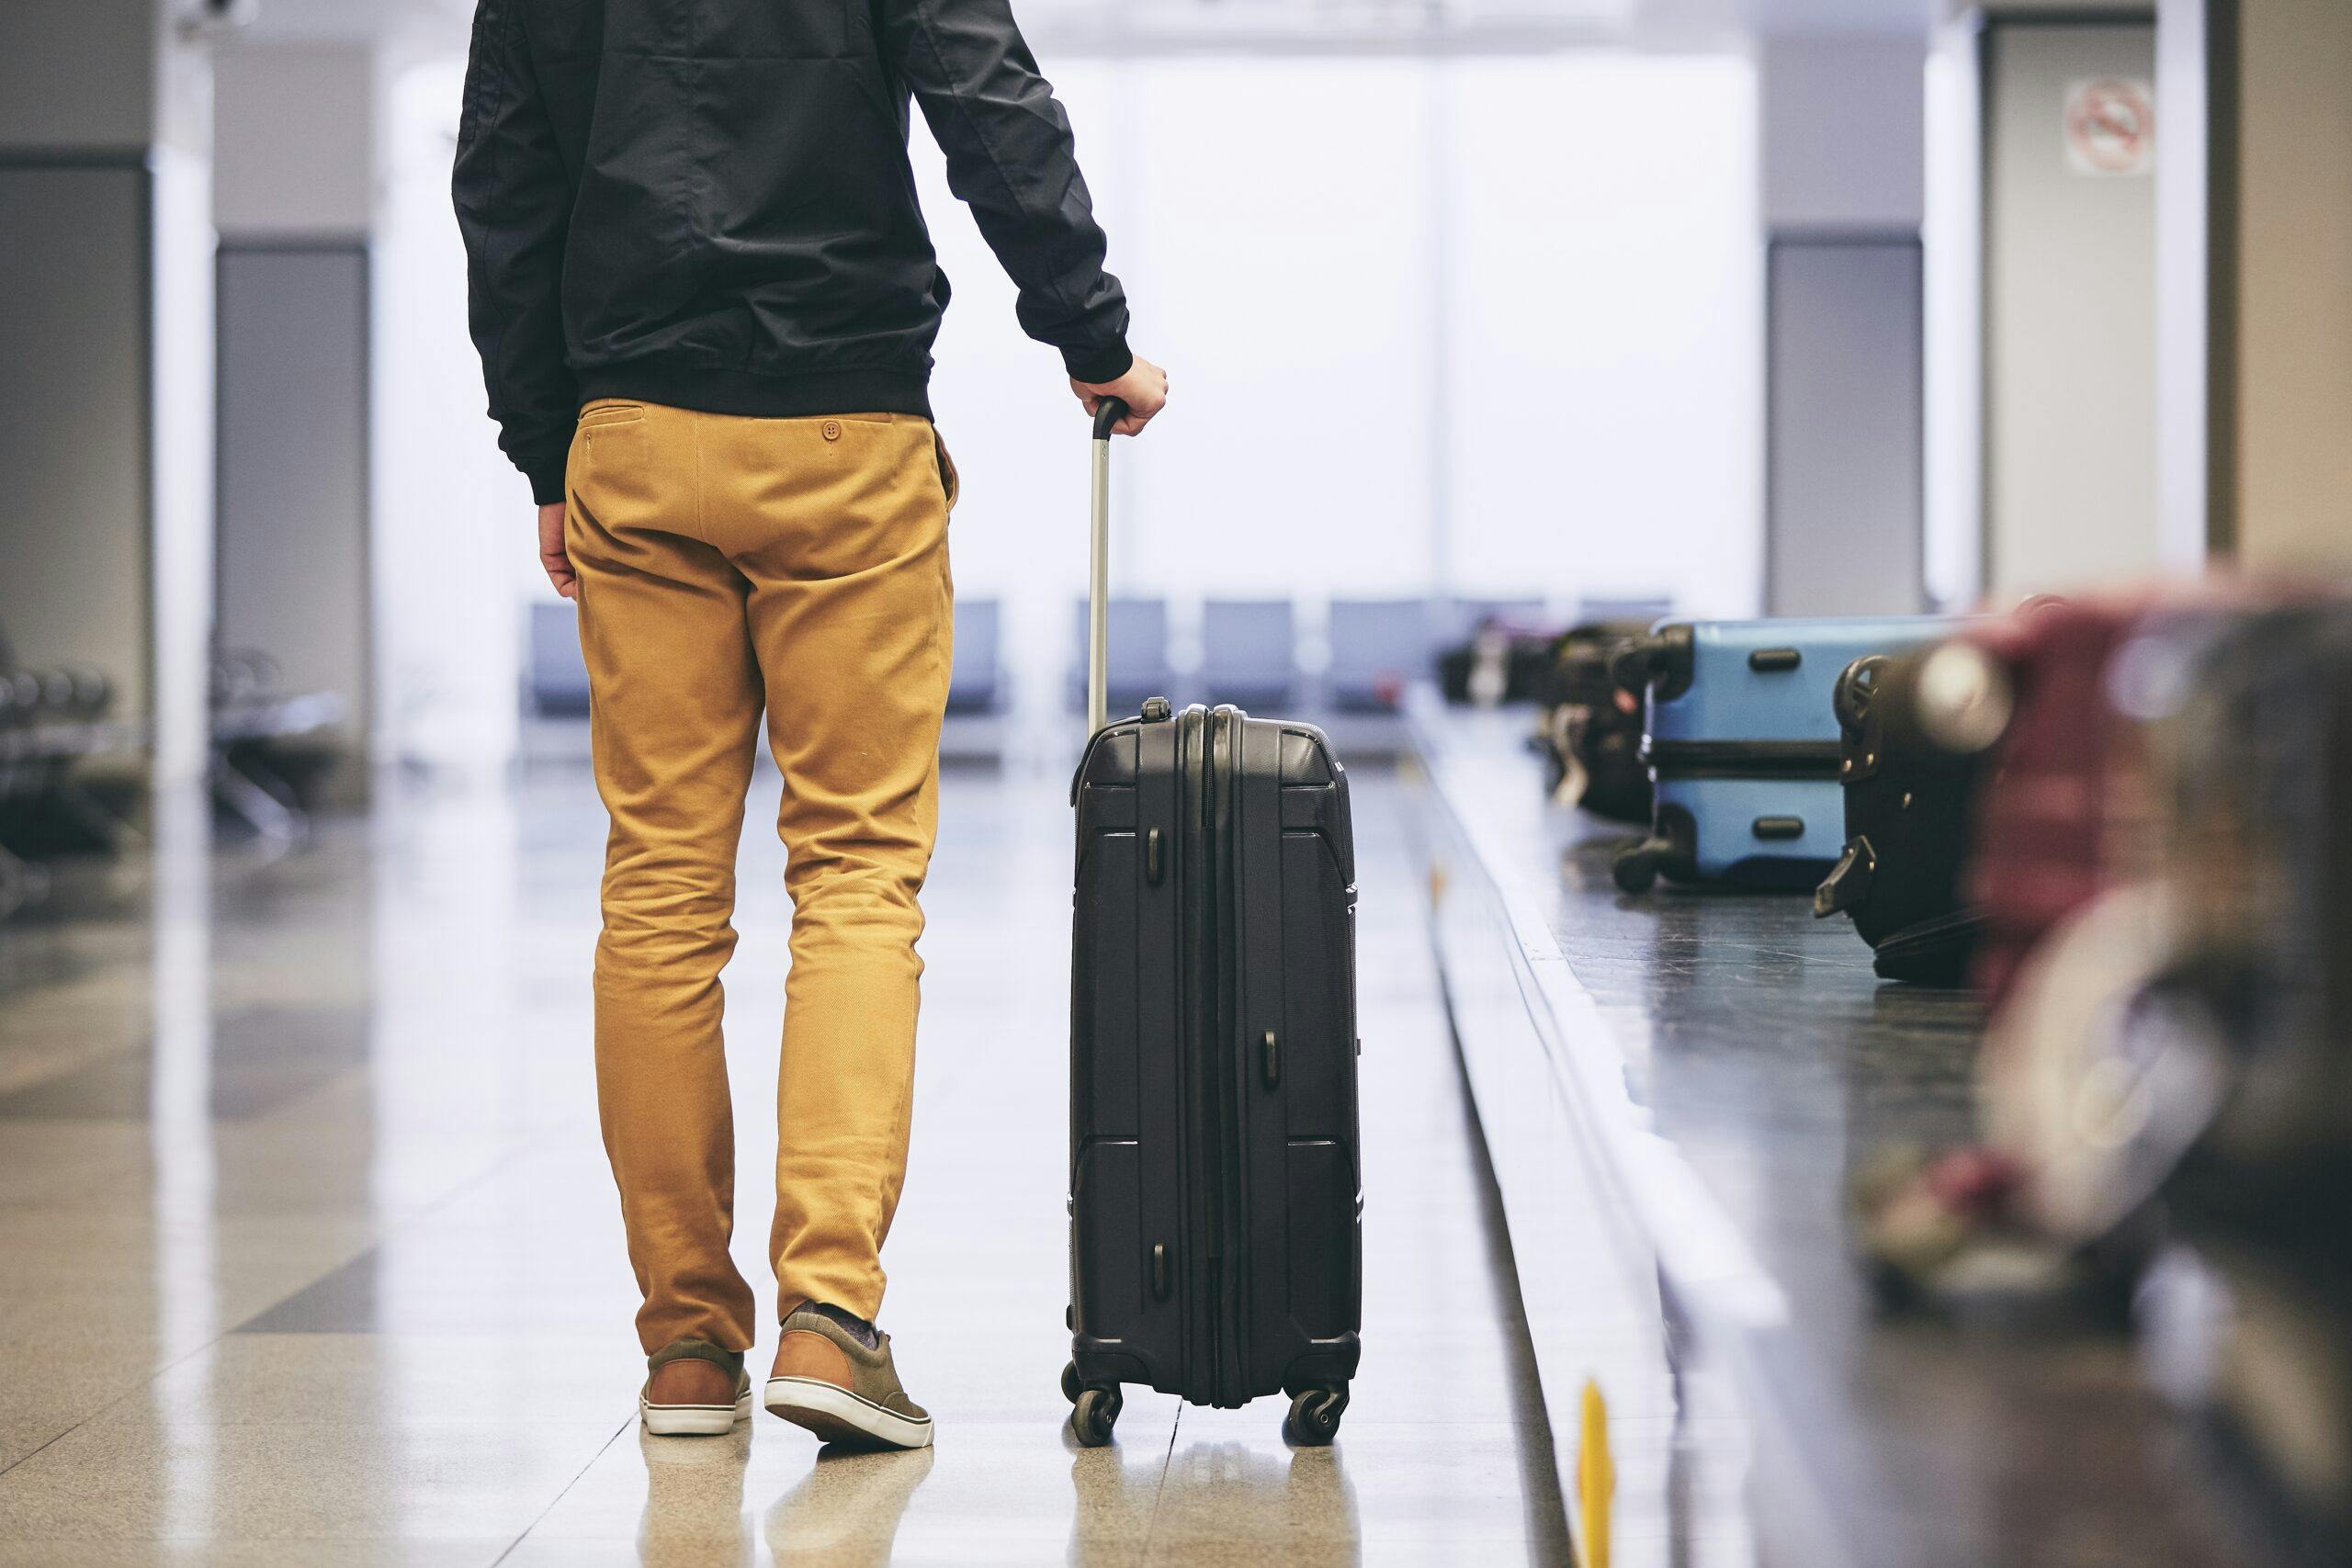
<point>1742,741</point>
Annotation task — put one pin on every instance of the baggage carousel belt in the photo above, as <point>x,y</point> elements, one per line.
<point>1757,1042</point>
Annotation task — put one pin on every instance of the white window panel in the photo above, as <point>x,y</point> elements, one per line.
<point>1605,323</point>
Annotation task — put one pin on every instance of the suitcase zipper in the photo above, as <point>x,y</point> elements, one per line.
<point>1204,1174</point>
<point>1235,1050</point>
<point>1741,759</point>
<point>1219,1069</point>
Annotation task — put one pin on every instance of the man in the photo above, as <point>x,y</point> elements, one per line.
<point>704,299</point>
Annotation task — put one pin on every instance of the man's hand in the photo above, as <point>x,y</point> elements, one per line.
<point>1144,388</point>
<point>551,552</point>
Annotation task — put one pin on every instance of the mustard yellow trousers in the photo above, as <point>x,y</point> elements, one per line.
<point>731,568</point>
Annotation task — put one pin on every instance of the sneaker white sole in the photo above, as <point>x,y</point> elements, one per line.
<point>693,1420</point>
<point>837,1415</point>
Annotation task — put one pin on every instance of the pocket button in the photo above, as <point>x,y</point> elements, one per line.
<point>832,430</point>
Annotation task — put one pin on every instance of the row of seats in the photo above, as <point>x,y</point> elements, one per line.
<point>269,748</point>
<point>1251,651</point>
<point>52,720</point>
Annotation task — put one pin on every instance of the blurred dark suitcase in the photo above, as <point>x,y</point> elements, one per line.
<point>1216,1197</point>
<point>2260,849</point>
<point>1742,745</point>
<point>1499,663</point>
<point>2099,1065</point>
<point>1913,729</point>
<point>1591,730</point>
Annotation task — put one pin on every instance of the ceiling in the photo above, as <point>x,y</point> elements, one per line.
<point>1242,24</point>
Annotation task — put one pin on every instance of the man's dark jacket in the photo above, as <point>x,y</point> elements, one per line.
<point>707,204</point>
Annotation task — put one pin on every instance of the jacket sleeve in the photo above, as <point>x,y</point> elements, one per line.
<point>1011,158</point>
<point>514,198</point>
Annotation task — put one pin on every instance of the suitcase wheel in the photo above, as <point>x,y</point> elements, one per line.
<point>1637,868</point>
<point>1071,1387</point>
<point>1314,1418</point>
<point>1094,1414</point>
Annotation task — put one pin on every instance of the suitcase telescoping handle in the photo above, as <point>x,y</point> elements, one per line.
<point>1107,412</point>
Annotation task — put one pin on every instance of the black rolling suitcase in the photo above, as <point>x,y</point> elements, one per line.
<point>1214,1201</point>
<point>1915,731</point>
<point>1591,730</point>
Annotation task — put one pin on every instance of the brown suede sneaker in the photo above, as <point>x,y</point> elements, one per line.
<point>828,1380</point>
<point>710,1415</point>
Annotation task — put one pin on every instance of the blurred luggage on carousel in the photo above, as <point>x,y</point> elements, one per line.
<point>1913,732</point>
<point>1505,657</point>
<point>2061,711</point>
<point>2169,1060</point>
<point>1216,1197</point>
<point>2066,804</point>
<point>2258,851</point>
<point>1590,728</point>
<point>1742,744</point>
<point>1499,665</point>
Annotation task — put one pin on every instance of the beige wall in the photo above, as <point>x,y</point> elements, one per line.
<point>2070,323</point>
<point>2292,487</point>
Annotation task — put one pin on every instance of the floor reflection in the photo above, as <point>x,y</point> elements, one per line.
<point>1116,1488</point>
<point>694,1499</point>
<point>1295,1505</point>
<point>846,1512</point>
<point>1302,1502</point>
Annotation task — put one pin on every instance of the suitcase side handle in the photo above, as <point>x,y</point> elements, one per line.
<point>1108,412</point>
<point>1661,664</point>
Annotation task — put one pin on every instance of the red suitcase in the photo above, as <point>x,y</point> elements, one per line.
<point>2066,795</point>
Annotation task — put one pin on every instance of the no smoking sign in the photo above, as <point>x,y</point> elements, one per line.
<point>2110,125</point>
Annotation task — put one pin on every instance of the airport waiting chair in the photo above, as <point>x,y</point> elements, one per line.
<point>1249,652</point>
<point>1139,666</point>
<point>556,672</point>
<point>975,683</point>
<point>1378,648</point>
<point>272,747</point>
<point>52,719</point>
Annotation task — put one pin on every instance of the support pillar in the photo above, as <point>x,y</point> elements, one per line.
<point>2257,216</point>
<point>1844,192</point>
<point>106,330</point>
<point>296,167</point>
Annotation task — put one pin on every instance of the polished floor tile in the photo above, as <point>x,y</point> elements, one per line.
<point>313,1256</point>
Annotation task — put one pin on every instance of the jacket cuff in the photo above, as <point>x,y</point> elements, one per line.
<point>547,475</point>
<point>1096,366</point>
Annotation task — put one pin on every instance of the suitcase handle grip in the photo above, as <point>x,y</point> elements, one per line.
<point>1107,412</point>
